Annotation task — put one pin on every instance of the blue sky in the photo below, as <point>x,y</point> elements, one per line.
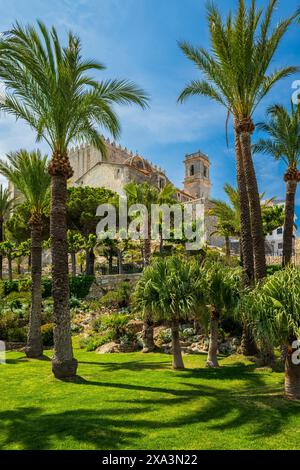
<point>137,40</point>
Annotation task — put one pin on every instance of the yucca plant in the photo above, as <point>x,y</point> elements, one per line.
<point>283,143</point>
<point>274,310</point>
<point>166,293</point>
<point>237,76</point>
<point>28,172</point>
<point>50,86</point>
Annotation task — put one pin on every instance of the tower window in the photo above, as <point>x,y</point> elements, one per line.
<point>192,170</point>
<point>205,172</point>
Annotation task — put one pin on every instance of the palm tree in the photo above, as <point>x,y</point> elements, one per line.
<point>75,244</point>
<point>219,286</point>
<point>28,173</point>
<point>283,143</point>
<point>274,309</point>
<point>50,87</point>
<point>147,195</point>
<point>228,217</point>
<point>6,205</point>
<point>236,76</point>
<point>166,292</point>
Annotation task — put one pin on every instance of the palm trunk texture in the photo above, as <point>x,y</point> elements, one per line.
<point>292,378</point>
<point>291,188</point>
<point>176,349</point>
<point>34,348</point>
<point>246,243</point>
<point>148,339</point>
<point>245,129</point>
<point>212,359</point>
<point>63,363</point>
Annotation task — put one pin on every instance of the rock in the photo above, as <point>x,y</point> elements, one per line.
<point>135,326</point>
<point>109,348</point>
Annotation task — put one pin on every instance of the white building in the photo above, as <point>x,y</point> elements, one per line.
<point>274,240</point>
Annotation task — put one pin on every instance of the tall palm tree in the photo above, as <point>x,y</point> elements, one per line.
<point>28,173</point>
<point>283,143</point>
<point>50,87</point>
<point>236,75</point>
<point>6,205</point>
<point>166,292</point>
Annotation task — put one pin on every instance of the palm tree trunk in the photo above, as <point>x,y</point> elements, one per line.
<point>246,244</point>
<point>1,240</point>
<point>148,339</point>
<point>291,188</point>
<point>212,359</point>
<point>64,364</point>
<point>245,129</point>
<point>10,273</point>
<point>90,262</point>
<point>34,348</point>
<point>177,355</point>
<point>110,262</point>
<point>147,246</point>
<point>292,378</point>
<point>248,344</point>
<point>73,263</point>
<point>120,262</point>
<point>227,247</point>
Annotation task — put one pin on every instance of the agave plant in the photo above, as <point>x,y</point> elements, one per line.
<point>274,310</point>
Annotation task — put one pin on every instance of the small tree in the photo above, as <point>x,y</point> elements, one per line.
<point>274,310</point>
<point>9,251</point>
<point>6,205</point>
<point>75,244</point>
<point>219,287</point>
<point>166,292</point>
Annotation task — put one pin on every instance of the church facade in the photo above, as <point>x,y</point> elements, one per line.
<point>121,167</point>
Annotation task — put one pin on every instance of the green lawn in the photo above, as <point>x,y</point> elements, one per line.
<point>135,401</point>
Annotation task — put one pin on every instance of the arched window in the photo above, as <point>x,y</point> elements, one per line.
<point>192,170</point>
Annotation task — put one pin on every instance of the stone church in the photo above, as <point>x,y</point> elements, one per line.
<point>122,166</point>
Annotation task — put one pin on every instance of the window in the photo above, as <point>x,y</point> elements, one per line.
<point>192,170</point>
<point>205,172</point>
<point>280,246</point>
<point>279,231</point>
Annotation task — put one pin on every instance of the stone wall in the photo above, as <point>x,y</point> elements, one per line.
<point>104,284</point>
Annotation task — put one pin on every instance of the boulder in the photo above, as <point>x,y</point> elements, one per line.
<point>135,326</point>
<point>109,348</point>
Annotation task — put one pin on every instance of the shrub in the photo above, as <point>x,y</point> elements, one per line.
<point>165,336</point>
<point>17,335</point>
<point>115,323</point>
<point>117,298</point>
<point>47,334</point>
<point>47,288</point>
<point>74,302</point>
<point>80,286</point>
<point>91,343</point>
<point>128,339</point>
<point>273,268</point>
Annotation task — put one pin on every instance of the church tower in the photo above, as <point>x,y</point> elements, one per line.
<point>197,175</point>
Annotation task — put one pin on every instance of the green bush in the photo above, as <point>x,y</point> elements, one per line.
<point>119,298</point>
<point>47,334</point>
<point>47,288</point>
<point>273,268</point>
<point>17,335</point>
<point>80,286</point>
<point>91,343</point>
<point>115,323</point>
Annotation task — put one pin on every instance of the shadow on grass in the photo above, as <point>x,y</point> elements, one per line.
<point>117,426</point>
<point>23,359</point>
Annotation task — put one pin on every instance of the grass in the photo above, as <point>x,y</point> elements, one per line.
<point>135,401</point>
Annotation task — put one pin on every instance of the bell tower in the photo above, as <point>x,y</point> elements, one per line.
<point>197,175</point>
